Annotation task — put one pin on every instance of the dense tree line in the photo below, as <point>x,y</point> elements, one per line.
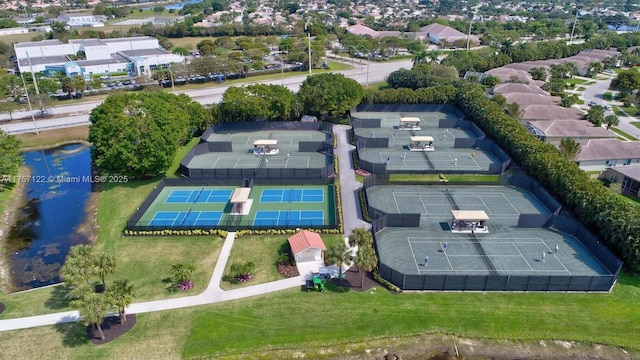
<point>508,52</point>
<point>10,160</point>
<point>137,134</point>
<point>422,75</point>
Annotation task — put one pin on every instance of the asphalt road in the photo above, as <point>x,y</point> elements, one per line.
<point>596,92</point>
<point>78,114</point>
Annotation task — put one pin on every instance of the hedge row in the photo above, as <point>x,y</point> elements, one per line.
<point>196,232</point>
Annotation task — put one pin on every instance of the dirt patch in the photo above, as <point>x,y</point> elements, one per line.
<point>111,328</point>
<point>8,217</point>
<point>353,280</point>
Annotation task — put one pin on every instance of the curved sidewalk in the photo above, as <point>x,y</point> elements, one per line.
<point>351,216</point>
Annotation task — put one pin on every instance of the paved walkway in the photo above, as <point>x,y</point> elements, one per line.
<point>213,294</point>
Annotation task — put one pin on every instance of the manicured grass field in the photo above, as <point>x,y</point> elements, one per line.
<point>607,96</point>
<point>636,124</point>
<point>625,111</point>
<point>314,322</point>
<point>51,138</point>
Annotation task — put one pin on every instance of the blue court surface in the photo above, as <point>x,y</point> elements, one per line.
<point>291,195</point>
<point>186,218</point>
<point>198,196</point>
<point>289,218</point>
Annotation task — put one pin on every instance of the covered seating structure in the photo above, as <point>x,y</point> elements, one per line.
<point>469,221</point>
<point>240,202</point>
<point>409,123</point>
<point>265,147</point>
<point>421,143</point>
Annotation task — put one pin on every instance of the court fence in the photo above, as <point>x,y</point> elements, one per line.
<point>408,108</point>
<point>233,222</point>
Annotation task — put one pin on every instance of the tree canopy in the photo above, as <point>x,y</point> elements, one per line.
<point>329,94</point>
<point>259,102</point>
<point>137,134</point>
<point>10,158</point>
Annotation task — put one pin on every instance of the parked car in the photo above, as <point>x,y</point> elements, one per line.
<point>592,103</point>
<point>608,107</point>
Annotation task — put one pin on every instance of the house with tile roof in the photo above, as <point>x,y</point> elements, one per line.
<point>599,154</point>
<point>307,246</point>
<point>627,176</point>
<point>437,34</point>
<point>550,112</point>
<point>553,131</point>
<point>524,99</point>
<point>507,88</point>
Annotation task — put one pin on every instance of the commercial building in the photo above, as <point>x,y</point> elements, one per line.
<point>135,56</point>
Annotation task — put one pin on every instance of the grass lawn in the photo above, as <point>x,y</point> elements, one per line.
<point>636,124</point>
<point>580,102</point>
<point>316,322</point>
<point>263,252</point>
<point>581,88</point>
<point>623,134</point>
<point>575,81</point>
<point>607,96</point>
<point>51,138</point>
<point>172,171</point>
<point>590,83</point>
<point>625,111</point>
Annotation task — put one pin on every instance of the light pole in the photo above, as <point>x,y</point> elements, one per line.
<point>281,68</point>
<point>573,29</point>
<point>26,92</point>
<point>173,86</point>
<point>306,28</point>
<point>368,62</point>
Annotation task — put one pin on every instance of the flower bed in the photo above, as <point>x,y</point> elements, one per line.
<point>363,173</point>
<point>185,285</point>
<point>244,278</point>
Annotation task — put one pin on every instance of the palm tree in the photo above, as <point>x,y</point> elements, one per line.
<point>120,295</point>
<point>93,309</point>
<point>339,254</point>
<point>420,57</point>
<point>611,120</point>
<point>595,68</point>
<point>105,265</point>
<point>78,83</point>
<point>366,260</point>
<point>79,266</point>
<point>360,237</point>
<point>182,272</point>
<point>570,148</point>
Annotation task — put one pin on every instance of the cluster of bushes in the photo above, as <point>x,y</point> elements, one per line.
<point>196,232</point>
<point>363,206</point>
<point>336,167</point>
<point>244,232</point>
<point>339,210</point>
<point>443,94</point>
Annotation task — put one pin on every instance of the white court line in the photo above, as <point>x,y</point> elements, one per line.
<point>176,218</point>
<point>414,257</point>
<point>195,222</point>
<point>215,162</point>
<point>423,205</point>
<point>520,252</point>
<point>554,255</point>
<point>396,201</point>
<point>485,205</point>
<point>446,256</point>
<point>510,203</point>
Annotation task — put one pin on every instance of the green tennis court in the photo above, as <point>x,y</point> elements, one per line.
<point>506,249</point>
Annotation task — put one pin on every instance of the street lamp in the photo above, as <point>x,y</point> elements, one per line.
<point>26,92</point>
<point>306,28</point>
<point>281,68</point>
<point>368,62</point>
<point>173,86</point>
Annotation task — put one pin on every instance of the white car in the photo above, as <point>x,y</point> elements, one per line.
<point>608,107</point>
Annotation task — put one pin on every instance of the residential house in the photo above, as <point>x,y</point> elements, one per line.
<point>599,154</point>
<point>550,112</point>
<point>627,176</point>
<point>553,131</point>
<point>441,34</point>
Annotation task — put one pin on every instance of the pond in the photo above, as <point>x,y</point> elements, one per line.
<point>176,6</point>
<point>56,196</point>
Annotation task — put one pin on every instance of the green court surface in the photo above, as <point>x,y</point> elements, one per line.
<point>242,155</point>
<point>506,249</point>
<point>445,156</point>
<point>180,207</point>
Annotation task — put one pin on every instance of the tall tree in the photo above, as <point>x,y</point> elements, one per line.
<point>595,115</point>
<point>514,110</point>
<point>93,309</point>
<point>360,237</point>
<point>120,295</point>
<point>42,102</point>
<point>365,260</point>
<point>11,158</point>
<point>79,266</point>
<point>570,148</point>
<point>627,81</point>
<point>329,94</point>
<point>611,120</point>
<point>79,84</point>
<point>339,254</point>
<point>137,134</point>
<point>105,265</point>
